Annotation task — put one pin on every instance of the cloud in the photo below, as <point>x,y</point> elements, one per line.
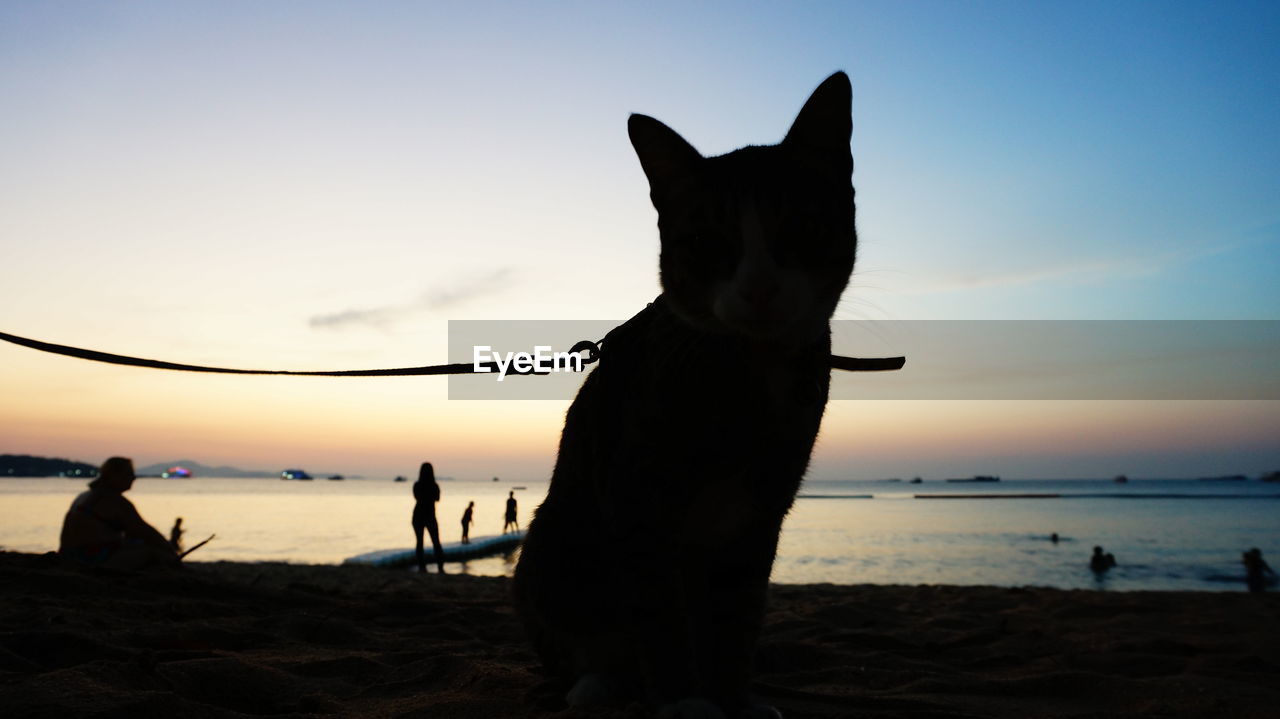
<point>450,296</point>
<point>463,292</point>
<point>379,317</point>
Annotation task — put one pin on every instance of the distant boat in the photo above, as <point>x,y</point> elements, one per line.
<point>977,478</point>
<point>1224,478</point>
<point>495,479</point>
<point>519,488</point>
<point>337,478</point>
<point>401,478</point>
<point>295,474</point>
<point>177,473</point>
<point>1120,479</point>
<point>917,480</point>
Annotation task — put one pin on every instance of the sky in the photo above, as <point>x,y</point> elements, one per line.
<point>326,186</point>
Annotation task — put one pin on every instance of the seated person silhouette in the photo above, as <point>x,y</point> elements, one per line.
<point>1255,570</point>
<point>425,494</point>
<point>510,521</point>
<point>1100,562</point>
<point>104,528</point>
<point>466,523</point>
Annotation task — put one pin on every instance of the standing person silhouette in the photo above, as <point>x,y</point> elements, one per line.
<point>425,494</point>
<point>466,523</point>
<point>175,535</point>
<point>511,520</point>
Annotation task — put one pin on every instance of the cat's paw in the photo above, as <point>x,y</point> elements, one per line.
<point>592,690</point>
<point>760,711</point>
<point>691,708</point>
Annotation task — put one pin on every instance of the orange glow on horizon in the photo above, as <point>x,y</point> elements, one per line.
<point>384,427</point>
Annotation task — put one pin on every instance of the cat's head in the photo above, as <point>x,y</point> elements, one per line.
<point>759,242</point>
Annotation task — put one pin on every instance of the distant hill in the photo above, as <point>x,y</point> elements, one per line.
<point>24,465</point>
<point>204,470</point>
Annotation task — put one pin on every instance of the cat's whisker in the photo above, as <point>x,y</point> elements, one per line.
<point>861,309</point>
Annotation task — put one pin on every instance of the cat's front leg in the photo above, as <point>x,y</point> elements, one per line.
<point>728,620</point>
<point>660,631</point>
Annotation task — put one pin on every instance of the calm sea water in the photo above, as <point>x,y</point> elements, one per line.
<point>1166,534</point>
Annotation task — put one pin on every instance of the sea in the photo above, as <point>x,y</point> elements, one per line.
<point>1164,534</point>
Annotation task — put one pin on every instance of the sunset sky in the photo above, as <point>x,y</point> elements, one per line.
<point>326,185</point>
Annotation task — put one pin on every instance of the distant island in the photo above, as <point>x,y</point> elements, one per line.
<point>25,465</point>
<point>203,470</point>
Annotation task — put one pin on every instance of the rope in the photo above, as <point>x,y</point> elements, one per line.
<point>440,369</point>
<point>848,364</point>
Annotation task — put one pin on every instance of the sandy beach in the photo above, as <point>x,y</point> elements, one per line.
<point>232,639</point>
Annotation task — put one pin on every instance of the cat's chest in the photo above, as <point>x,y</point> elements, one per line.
<point>721,508</point>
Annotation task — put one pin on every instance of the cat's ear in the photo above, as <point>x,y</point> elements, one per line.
<point>823,127</point>
<point>664,155</point>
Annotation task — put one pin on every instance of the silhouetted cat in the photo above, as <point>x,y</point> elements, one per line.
<point>644,571</point>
